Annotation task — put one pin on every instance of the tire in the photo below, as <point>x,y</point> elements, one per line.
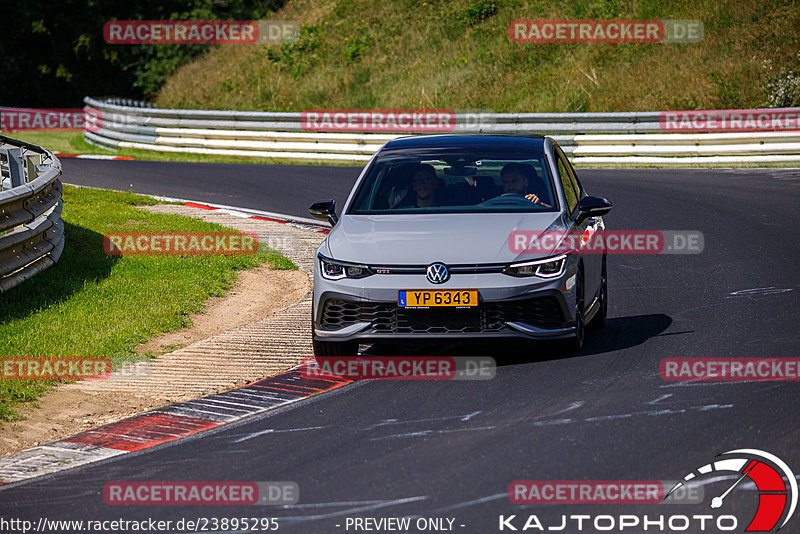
<point>576,343</point>
<point>323,349</point>
<point>601,317</point>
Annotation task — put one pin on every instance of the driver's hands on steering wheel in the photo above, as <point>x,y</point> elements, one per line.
<point>530,196</point>
<point>533,198</point>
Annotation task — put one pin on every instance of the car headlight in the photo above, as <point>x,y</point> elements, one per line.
<point>545,268</point>
<point>336,270</point>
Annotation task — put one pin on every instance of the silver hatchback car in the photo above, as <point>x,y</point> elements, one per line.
<point>425,247</point>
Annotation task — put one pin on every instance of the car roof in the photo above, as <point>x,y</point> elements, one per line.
<point>498,142</point>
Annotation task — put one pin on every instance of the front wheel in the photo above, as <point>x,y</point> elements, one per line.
<point>599,320</point>
<point>576,344</point>
<point>323,349</point>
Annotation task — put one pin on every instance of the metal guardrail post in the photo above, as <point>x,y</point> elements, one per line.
<point>32,161</point>
<point>16,166</point>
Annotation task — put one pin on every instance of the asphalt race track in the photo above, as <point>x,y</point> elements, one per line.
<point>450,449</point>
<point>288,189</point>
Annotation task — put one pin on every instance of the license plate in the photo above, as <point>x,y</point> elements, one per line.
<point>454,298</point>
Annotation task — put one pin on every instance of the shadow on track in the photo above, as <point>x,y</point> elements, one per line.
<point>624,332</point>
<point>620,333</point>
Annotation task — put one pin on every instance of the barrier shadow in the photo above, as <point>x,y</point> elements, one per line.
<point>83,260</point>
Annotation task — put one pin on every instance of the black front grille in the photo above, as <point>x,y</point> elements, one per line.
<point>435,321</point>
<point>544,312</point>
<point>340,313</point>
<point>388,318</point>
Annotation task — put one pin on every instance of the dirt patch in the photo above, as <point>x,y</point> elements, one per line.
<point>258,293</point>
<point>62,413</point>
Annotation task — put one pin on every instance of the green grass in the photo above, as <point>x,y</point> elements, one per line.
<point>91,304</point>
<point>456,54</point>
<point>65,141</point>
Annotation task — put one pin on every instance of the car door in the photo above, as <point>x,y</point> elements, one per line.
<point>573,192</point>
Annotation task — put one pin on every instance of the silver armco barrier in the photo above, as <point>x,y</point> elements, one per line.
<point>590,139</point>
<point>31,229</point>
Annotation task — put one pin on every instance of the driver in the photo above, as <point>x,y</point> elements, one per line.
<point>516,179</point>
<point>425,184</point>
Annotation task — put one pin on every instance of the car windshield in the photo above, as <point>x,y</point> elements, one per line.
<point>455,183</point>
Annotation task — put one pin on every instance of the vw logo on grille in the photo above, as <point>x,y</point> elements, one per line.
<point>437,273</point>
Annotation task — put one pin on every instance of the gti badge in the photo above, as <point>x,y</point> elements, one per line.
<point>437,273</point>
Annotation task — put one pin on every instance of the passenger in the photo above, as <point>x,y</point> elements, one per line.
<point>517,178</point>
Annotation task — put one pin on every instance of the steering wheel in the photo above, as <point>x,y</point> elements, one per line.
<point>514,199</point>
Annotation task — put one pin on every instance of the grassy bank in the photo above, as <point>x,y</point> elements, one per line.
<point>456,54</point>
<point>91,304</point>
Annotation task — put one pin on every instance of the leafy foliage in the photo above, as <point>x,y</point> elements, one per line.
<point>54,54</point>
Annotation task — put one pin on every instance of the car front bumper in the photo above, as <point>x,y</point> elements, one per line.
<point>366,309</point>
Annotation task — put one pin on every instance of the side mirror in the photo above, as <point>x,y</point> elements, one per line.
<point>324,210</point>
<point>592,207</point>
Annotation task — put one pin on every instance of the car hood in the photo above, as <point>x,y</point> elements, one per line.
<point>424,239</point>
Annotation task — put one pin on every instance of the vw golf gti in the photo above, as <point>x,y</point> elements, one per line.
<point>423,247</point>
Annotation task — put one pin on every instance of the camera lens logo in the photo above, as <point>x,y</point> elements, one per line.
<point>770,475</point>
<point>437,273</point>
